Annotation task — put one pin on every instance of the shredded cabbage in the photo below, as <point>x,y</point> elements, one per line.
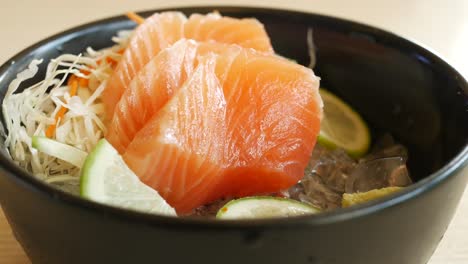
<point>311,48</point>
<point>30,112</point>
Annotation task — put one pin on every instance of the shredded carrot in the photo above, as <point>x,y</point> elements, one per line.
<point>83,82</point>
<point>85,72</point>
<point>71,79</point>
<point>111,61</point>
<point>73,83</point>
<point>135,18</point>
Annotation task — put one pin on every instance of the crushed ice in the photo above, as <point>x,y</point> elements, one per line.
<point>332,173</point>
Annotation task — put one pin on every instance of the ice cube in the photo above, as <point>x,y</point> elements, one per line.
<point>318,193</point>
<point>294,192</point>
<point>331,173</point>
<point>378,173</point>
<point>324,179</point>
<point>385,147</point>
<point>333,167</point>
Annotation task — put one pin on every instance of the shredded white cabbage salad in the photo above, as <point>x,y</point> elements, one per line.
<point>30,112</point>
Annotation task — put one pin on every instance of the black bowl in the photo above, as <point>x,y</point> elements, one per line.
<point>395,84</point>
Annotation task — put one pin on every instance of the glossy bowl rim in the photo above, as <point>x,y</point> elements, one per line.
<point>342,214</point>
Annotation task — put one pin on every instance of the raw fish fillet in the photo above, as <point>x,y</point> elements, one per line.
<point>242,123</point>
<point>161,30</point>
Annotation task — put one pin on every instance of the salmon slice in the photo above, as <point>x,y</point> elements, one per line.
<point>246,32</point>
<point>156,83</point>
<point>273,118</point>
<point>161,30</point>
<point>157,32</point>
<point>188,139</point>
<point>270,121</point>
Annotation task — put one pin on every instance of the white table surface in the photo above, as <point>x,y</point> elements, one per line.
<point>439,25</point>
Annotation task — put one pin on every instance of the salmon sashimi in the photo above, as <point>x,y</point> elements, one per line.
<point>156,83</point>
<point>256,138</point>
<point>187,136</point>
<point>273,119</point>
<point>157,32</point>
<point>246,32</point>
<point>161,30</point>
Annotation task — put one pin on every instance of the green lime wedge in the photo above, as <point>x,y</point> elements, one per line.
<point>105,178</point>
<point>342,127</point>
<point>264,207</point>
<point>59,150</point>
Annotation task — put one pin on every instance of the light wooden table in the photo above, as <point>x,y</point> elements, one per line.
<point>441,26</point>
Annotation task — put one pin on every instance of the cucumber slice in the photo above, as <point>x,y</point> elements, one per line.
<point>59,150</point>
<point>105,178</point>
<point>342,127</point>
<point>264,207</point>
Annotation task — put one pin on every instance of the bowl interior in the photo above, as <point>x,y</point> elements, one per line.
<point>397,86</point>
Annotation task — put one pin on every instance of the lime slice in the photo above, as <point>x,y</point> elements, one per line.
<point>105,178</point>
<point>342,127</point>
<point>264,207</point>
<point>59,150</point>
<point>350,199</point>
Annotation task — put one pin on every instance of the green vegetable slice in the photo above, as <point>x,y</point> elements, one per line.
<point>342,127</point>
<point>59,150</point>
<point>264,207</point>
<point>105,178</point>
